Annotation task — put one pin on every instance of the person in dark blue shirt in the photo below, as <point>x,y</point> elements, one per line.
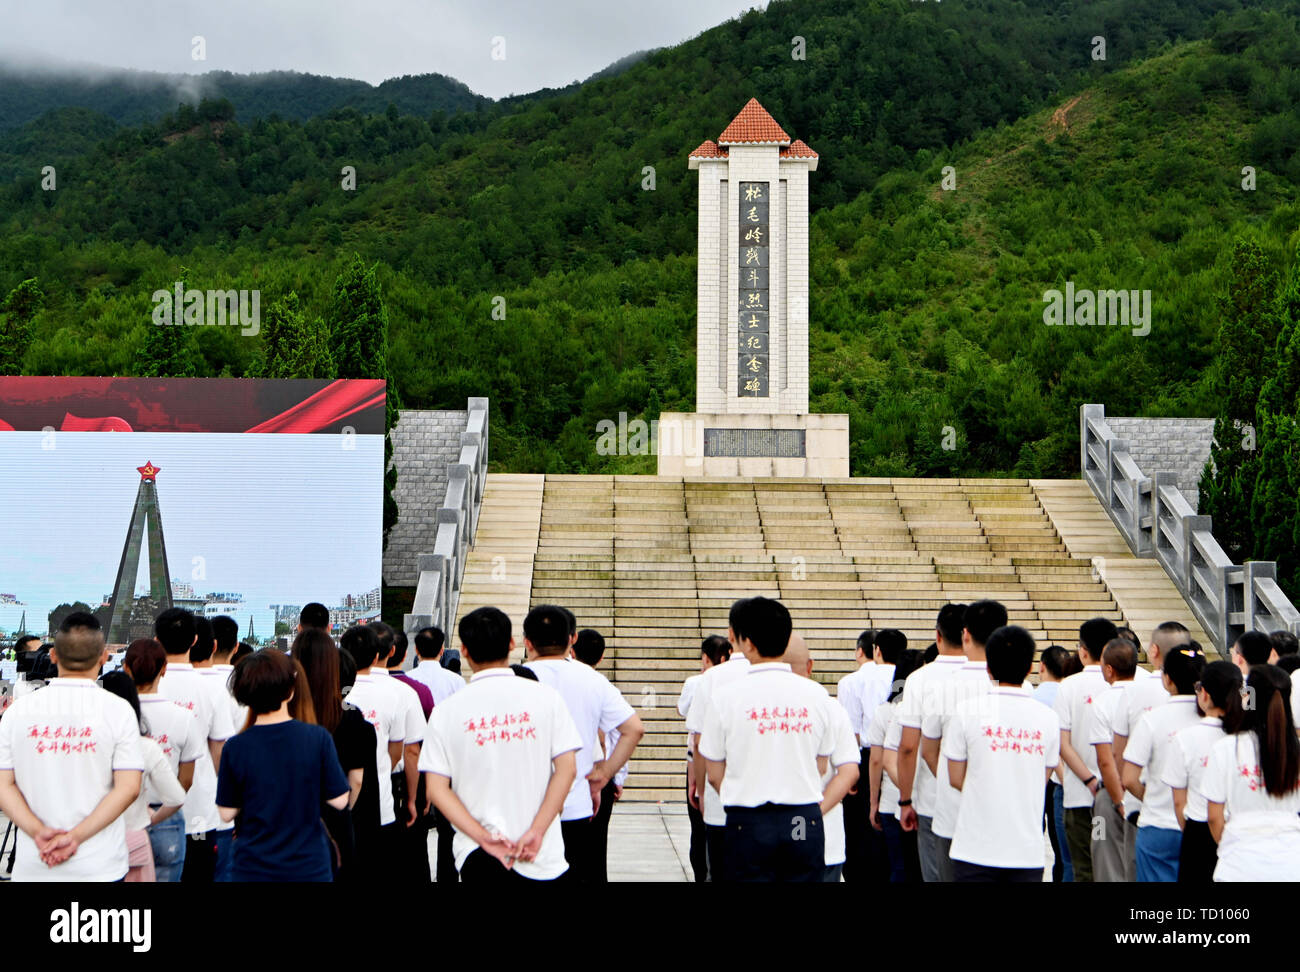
<point>274,777</point>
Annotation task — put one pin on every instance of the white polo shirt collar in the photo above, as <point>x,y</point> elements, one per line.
<point>65,682</point>
<point>950,660</point>
<point>179,667</point>
<point>491,673</point>
<point>768,667</point>
<point>1211,721</point>
<point>1018,691</point>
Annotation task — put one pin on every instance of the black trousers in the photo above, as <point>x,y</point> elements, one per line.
<point>776,842</point>
<point>699,853</point>
<point>577,850</point>
<point>1198,855</point>
<point>410,844</point>
<point>599,846</point>
<point>200,865</point>
<point>446,862</point>
<point>715,844</point>
<point>482,868</point>
<point>1049,823</point>
<point>964,871</point>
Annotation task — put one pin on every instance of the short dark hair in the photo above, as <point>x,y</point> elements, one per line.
<point>1073,664</point>
<point>225,630</point>
<point>1285,643</point>
<point>590,647</point>
<point>264,680</point>
<point>1288,663</point>
<point>79,642</point>
<point>202,649</point>
<point>362,643</point>
<point>982,618</point>
<point>175,631</point>
<point>429,642</point>
<point>400,644</point>
<point>930,653</point>
<point>767,625</point>
<point>1010,653</point>
<point>241,652</point>
<point>867,641</point>
<point>25,639</point>
<point>735,616</point>
<point>571,618</point>
<point>892,643</point>
<point>951,619</point>
<point>1094,635</point>
<point>1055,659</point>
<point>387,636</point>
<point>1255,647</point>
<point>145,658</point>
<point>547,629</point>
<point>908,662</point>
<point>485,635</point>
<point>314,615</point>
<point>716,649</point>
<point>1121,655</point>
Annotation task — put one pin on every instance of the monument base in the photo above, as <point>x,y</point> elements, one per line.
<point>711,444</point>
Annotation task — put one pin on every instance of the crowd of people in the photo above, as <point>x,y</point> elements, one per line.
<point>190,757</point>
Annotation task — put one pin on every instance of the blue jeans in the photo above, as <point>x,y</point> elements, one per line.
<point>1157,854</point>
<point>225,855</point>
<point>893,846</point>
<point>168,841</point>
<point>1058,820</point>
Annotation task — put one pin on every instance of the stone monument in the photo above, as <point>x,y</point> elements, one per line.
<point>751,372</point>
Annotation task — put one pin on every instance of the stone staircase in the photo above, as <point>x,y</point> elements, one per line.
<point>654,563</point>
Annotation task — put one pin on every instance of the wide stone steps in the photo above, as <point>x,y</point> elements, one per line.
<point>656,563</point>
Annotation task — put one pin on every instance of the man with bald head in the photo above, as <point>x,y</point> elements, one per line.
<point>1148,688</point>
<point>799,658</point>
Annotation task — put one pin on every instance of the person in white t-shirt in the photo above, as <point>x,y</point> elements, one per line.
<point>916,779</point>
<point>220,634</point>
<point>799,658</point>
<point>1150,748</point>
<point>159,783</point>
<point>596,706</point>
<point>1001,749</point>
<point>182,741</point>
<point>430,646</point>
<point>177,630</point>
<point>883,734</point>
<point>442,682</point>
<point>70,765</point>
<point>714,650</point>
<point>1217,694</point>
<point>1148,689</point>
<point>589,649</point>
<point>1114,835</point>
<point>851,694</point>
<point>1252,785</point>
<point>767,739</point>
<point>387,710</point>
<point>499,760</point>
<point>706,797</point>
<point>979,621</point>
<point>1081,782</point>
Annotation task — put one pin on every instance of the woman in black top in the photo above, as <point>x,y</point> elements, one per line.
<point>354,829</point>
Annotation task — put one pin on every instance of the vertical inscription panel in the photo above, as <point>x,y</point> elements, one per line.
<point>754,253</point>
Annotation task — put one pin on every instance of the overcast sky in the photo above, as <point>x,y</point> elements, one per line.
<point>548,43</point>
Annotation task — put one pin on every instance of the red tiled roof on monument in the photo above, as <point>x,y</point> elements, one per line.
<point>798,150</point>
<point>709,150</point>
<point>753,124</point>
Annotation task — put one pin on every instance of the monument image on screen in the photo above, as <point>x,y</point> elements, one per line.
<point>272,493</point>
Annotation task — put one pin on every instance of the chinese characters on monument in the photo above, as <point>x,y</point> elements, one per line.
<point>753,307</point>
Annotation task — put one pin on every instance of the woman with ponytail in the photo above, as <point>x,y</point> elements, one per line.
<point>1250,785</point>
<point>1149,748</point>
<point>1218,697</point>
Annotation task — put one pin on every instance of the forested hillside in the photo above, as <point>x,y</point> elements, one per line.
<point>926,308</point>
<point>137,97</point>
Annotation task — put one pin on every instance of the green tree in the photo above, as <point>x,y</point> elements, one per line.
<point>358,324</point>
<point>168,349</point>
<point>292,346</point>
<point>1246,335</point>
<point>19,309</point>
<point>63,610</point>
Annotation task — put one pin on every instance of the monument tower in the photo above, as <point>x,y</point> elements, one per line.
<point>144,518</point>
<point>751,371</point>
